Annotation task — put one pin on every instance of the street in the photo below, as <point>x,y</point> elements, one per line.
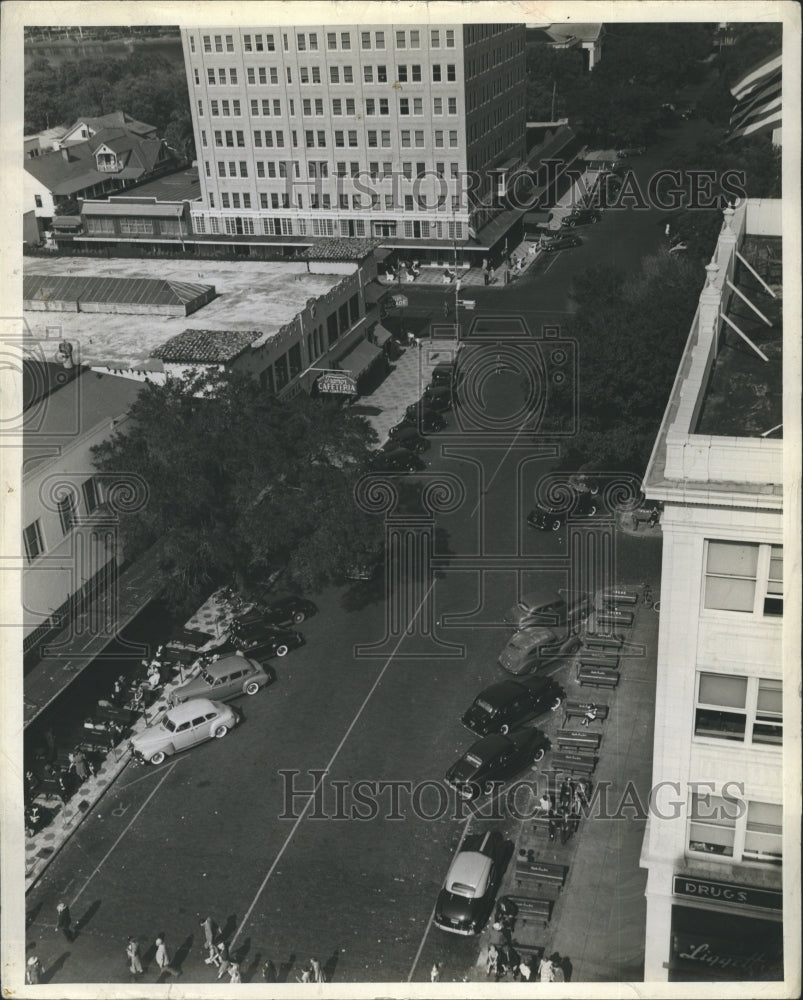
<point>229,828</point>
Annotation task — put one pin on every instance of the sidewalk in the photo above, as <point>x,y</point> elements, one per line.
<point>598,918</point>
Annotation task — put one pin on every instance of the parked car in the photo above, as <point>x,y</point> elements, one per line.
<point>408,437</point>
<point>506,705</point>
<point>261,641</point>
<point>535,648</point>
<point>467,897</point>
<point>228,677</point>
<point>548,518</point>
<point>531,611</point>
<point>280,613</point>
<point>421,416</point>
<point>562,243</point>
<point>438,398</point>
<point>580,217</point>
<point>493,758</point>
<point>396,459</point>
<point>184,726</point>
<point>628,151</point>
<point>444,374</point>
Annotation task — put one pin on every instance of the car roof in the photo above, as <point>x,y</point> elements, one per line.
<point>536,683</point>
<point>469,872</point>
<point>501,693</point>
<point>527,638</point>
<point>232,661</point>
<point>489,746</point>
<point>191,709</point>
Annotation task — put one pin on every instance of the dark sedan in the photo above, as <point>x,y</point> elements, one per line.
<point>260,641</point>
<point>281,613</point>
<point>580,217</point>
<point>548,518</point>
<point>494,758</point>
<point>506,705</point>
<point>562,243</point>
<point>444,374</point>
<point>438,398</point>
<point>421,416</point>
<point>407,437</point>
<point>466,899</point>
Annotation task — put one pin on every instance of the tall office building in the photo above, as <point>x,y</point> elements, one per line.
<point>356,130</point>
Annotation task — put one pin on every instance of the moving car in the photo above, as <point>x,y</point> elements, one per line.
<point>466,899</point>
<point>184,726</point>
<point>421,416</point>
<point>531,611</point>
<point>406,436</point>
<point>580,217</point>
<point>506,705</point>
<point>493,758</point>
<point>228,677</point>
<point>535,648</point>
<point>396,460</point>
<point>561,243</point>
<point>280,613</point>
<point>548,518</point>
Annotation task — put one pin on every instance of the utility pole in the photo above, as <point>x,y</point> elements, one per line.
<point>554,90</point>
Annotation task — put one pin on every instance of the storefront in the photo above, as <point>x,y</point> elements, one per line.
<point>725,931</point>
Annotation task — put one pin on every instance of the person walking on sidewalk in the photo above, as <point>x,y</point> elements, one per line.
<point>223,956</point>
<point>208,925</point>
<point>525,971</point>
<point>545,971</point>
<point>234,972</point>
<point>316,972</point>
<point>163,959</point>
<point>64,921</point>
<point>134,958</point>
<point>33,971</point>
<point>435,972</point>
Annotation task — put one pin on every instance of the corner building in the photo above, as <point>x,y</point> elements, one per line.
<point>355,131</point>
<point>714,842</point>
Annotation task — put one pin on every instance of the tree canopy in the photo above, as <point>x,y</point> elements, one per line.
<point>241,484</point>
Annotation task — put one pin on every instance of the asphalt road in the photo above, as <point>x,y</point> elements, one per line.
<point>214,829</point>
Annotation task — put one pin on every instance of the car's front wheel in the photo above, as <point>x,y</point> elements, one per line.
<point>282,650</point>
<point>220,732</point>
<point>557,703</point>
<point>505,729</point>
<point>157,758</point>
<point>595,218</point>
<point>538,755</point>
<point>251,688</point>
<point>299,617</point>
<point>556,524</point>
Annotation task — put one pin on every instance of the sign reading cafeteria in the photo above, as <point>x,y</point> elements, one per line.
<point>340,382</point>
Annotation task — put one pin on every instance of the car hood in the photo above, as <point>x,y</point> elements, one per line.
<point>150,737</point>
<point>452,907</point>
<point>195,687</point>
<point>462,772</point>
<point>477,721</point>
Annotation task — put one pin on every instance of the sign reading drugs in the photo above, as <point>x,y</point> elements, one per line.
<point>337,382</point>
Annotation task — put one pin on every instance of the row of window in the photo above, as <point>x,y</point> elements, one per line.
<point>283,226</point>
<point>316,200</point>
<point>312,74</point>
<point>32,537</point>
<point>319,169</point>
<point>267,107</point>
<point>335,41</point>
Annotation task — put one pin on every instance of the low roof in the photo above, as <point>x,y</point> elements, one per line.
<point>206,346</point>
<point>146,208</point>
<point>469,871</point>
<point>324,248</point>
<point>123,290</point>
<point>183,185</point>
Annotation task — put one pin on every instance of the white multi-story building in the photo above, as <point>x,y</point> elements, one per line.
<point>714,843</point>
<point>355,130</point>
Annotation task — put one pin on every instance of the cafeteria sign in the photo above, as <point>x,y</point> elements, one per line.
<point>337,382</point>
<point>399,301</point>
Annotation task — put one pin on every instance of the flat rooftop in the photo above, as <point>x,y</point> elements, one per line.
<point>251,295</point>
<point>181,186</point>
<point>744,397</point>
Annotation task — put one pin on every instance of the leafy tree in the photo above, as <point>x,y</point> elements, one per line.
<point>240,484</point>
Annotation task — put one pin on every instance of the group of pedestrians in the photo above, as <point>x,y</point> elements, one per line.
<point>504,960</point>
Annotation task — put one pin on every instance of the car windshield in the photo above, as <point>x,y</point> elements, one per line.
<point>207,677</point>
<point>485,706</point>
<point>461,889</point>
<point>473,759</point>
<point>168,724</point>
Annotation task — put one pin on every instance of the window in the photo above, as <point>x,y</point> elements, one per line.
<point>418,106</point>
<point>345,40</point>
<point>233,77</point>
<point>370,106</point>
<point>372,139</point>
<point>192,44</point>
<point>224,198</point>
<point>453,138</point>
<point>450,39</point>
<point>368,74</point>
<point>207,43</point>
<point>438,138</point>
<point>246,43</point>
<point>384,108</point>
<point>450,73</point>
<point>405,138</point>
<point>404,106</point>
<point>201,108</point>
<point>218,43</point>
<point>437,106</point>
<point>366,39</point>
<point>331,40</point>
<point>303,74</point>
<point>381,74</point>
<point>349,105</point>
<point>435,39</point>
<point>436,73</point>
<point>243,168</point>
<point>379,39</point>
<point>348,74</point>
<point>415,39</point>
<point>401,73</point>
<point>230,43</point>
<point>385,138</point>
<point>270,44</point>
<point>420,168</point>
<point>744,577</point>
<point>306,106</point>
<point>339,139</point>
<point>37,200</point>
<point>32,538</point>
<point>250,75</point>
<point>334,74</point>
<point>302,43</point>
<point>741,709</point>
<point>724,827</point>
<point>274,75</point>
<point>452,105</point>
<point>197,77</point>
<point>352,138</point>
<point>416,73</point>
<point>401,40</point>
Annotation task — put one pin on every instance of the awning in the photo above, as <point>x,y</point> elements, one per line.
<point>360,359</point>
<point>374,292</point>
<point>131,209</point>
<point>381,335</point>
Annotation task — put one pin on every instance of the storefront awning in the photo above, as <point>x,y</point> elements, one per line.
<point>374,292</point>
<point>360,359</point>
<point>381,335</point>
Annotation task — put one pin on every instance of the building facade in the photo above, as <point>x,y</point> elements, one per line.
<point>713,847</point>
<point>369,130</point>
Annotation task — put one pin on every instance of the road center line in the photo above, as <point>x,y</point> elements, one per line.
<point>332,759</point>
<point>432,914</point>
<point>125,831</point>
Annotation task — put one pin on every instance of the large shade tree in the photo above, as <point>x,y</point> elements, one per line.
<point>241,484</point>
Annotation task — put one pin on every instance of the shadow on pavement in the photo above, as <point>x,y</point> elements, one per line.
<point>229,927</point>
<point>286,968</point>
<point>241,953</point>
<point>248,974</point>
<point>53,969</point>
<point>90,913</point>
<point>330,965</point>
<point>183,951</point>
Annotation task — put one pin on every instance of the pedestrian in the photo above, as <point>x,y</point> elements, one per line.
<point>64,921</point>
<point>223,957</point>
<point>305,977</point>
<point>545,971</point>
<point>565,794</point>
<point>154,679</point>
<point>410,338</point>
<point>33,971</point>
<point>31,784</point>
<point>269,972</point>
<point>79,765</point>
<point>553,826</point>
<point>487,276</point>
<point>435,972</point>
<point>667,229</point>
<point>163,959</point>
<point>134,957</point>
<point>491,275</point>
<point>208,925</point>
<point>591,714</point>
<point>525,971</point>
<point>234,972</point>
<point>545,802</point>
<point>557,968</point>
<point>491,960</point>
<point>63,785</point>
<point>316,972</point>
